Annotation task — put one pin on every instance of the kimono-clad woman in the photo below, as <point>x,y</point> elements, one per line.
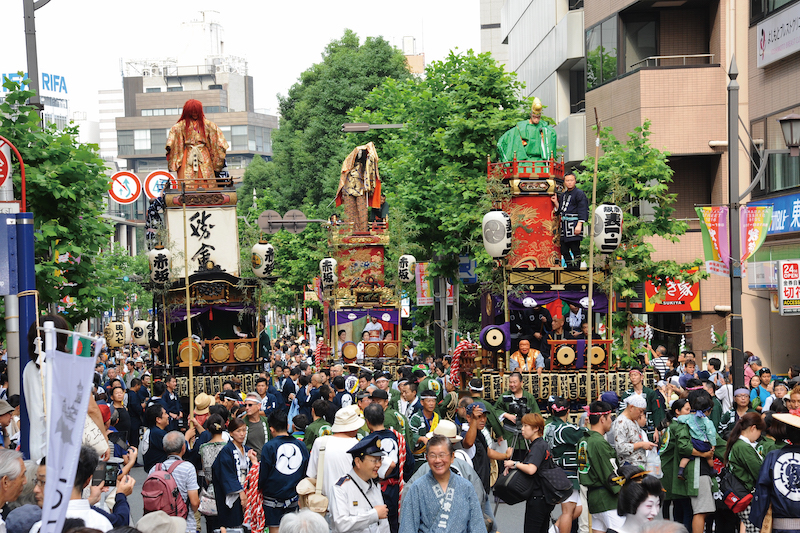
<point>229,472</point>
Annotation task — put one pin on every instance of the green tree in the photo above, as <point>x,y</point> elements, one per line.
<point>309,146</point>
<point>631,175</point>
<point>116,262</point>
<point>66,187</point>
<point>258,177</point>
<point>434,169</point>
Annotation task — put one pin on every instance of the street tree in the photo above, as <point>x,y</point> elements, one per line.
<point>631,175</point>
<point>66,188</point>
<point>309,146</point>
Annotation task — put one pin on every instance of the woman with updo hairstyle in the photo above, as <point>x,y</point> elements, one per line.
<point>215,425</point>
<point>639,500</point>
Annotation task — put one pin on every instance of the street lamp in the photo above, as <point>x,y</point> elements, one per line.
<point>790,124</point>
<point>362,127</point>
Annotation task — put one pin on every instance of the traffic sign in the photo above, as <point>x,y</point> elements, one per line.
<point>5,163</point>
<point>125,187</point>
<point>156,182</point>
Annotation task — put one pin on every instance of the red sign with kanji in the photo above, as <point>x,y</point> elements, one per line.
<point>681,297</point>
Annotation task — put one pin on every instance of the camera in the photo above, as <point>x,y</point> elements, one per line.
<point>517,407</point>
<point>112,469</point>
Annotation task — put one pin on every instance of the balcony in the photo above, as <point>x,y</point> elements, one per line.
<point>673,61</point>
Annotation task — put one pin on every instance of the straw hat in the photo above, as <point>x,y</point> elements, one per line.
<point>788,419</point>
<point>161,522</point>
<point>347,419</point>
<point>202,402</point>
<point>448,429</point>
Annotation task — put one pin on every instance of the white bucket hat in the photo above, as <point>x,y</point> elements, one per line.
<point>347,419</point>
<point>448,429</point>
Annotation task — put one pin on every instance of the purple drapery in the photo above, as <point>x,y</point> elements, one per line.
<point>349,316</point>
<point>179,313</point>
<point>541,298</point>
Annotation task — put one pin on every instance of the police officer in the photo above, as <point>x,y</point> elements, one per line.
<point>356,504</point>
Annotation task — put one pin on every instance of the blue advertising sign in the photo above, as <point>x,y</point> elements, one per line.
<point>785,213</point>
<point>8,255</point>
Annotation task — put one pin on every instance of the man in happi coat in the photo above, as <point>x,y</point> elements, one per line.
<point>441,500</point>
<point>196,148</point>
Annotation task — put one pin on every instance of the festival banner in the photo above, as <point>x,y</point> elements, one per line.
<point>424,285</point>
<point>716,246</point>
<point>755,222</point>
<point>66,408</point>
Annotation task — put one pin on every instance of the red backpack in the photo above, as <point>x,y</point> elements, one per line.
<point>160,492</point>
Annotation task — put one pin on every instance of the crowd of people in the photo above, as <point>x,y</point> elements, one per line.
<point>408,452</point>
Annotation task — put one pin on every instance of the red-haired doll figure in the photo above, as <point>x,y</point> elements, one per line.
<point>196,148</point>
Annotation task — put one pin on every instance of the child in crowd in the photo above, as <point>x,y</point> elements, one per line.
<point>701,430</point>
<point>299,424</point>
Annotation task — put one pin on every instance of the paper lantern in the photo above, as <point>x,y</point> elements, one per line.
<point>405,266</point>
<point>607,227</point>
<point>497,233</point>
<point>262,259</point>
<point>160,264</point>
<point>141,328</point>
<point>117,334</point>
<point>327,269</point>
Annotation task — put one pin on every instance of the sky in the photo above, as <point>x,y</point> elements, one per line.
<point>85,40</point>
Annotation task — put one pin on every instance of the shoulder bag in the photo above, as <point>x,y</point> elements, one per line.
<point>734,493</point>
<point>556,486</point>
<point>309,490</point>
<point>514,487</point>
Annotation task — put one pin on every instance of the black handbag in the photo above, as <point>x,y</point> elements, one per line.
<point>514,487</point>
<point>556,486</point>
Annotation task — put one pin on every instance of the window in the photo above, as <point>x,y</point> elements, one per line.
<point>125,142</point>
<point>577,91</point>
<point>640,39</point>
<point>141,141</point>
<point>239,138</point>
<point>153,90</point>
<point>158,140</point>
<point>761,9</point>
<point>174,89</point>
<point>601,53</point>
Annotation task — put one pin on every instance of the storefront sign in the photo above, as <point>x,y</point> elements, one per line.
<point>778,36</point>
<point>785,213</point>
<point>789,286</point>
<point>681,297</point>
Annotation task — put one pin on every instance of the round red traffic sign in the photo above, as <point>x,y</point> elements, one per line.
<point>125,187</point>
<point>5,163</point>
<point>156,182</point>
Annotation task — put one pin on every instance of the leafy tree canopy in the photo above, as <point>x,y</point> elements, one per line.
<point>66,187</point>
<point>434,169</point>
<point>309,146</point>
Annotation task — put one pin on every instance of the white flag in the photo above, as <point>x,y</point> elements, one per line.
<point>67,404</point>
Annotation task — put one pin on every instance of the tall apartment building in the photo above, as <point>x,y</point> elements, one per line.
<point>491,31</point>
<point>110,104</point>
<point>154,91</point>
<point>545,48</point>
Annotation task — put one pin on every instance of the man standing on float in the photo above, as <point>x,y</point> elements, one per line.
<point>573,208</point>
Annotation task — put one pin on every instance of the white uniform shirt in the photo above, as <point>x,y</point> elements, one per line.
<point>352,506</point>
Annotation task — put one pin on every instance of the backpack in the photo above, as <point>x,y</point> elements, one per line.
<point>556,486</point>
<point>160,492</point>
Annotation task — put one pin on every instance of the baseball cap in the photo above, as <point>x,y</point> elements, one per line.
<point>471,407</point>
<point>753,359</point>
<point>5,407</point>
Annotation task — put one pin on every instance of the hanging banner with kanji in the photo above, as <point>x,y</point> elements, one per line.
<point>212,240</point>
<point>755,222</point>
<point>716,244</point>
<point>680,297</point>
<point>424,286</point>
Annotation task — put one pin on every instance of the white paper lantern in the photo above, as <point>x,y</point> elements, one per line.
<point>405,267</point>
<point>263,259</point>
<point>327,270</point>
<point>497,233</point>
<point>117,334</point>
<point>607,227</point>
<point>160,263</point>
<point>140,332</point>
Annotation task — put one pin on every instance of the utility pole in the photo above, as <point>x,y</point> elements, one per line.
<point>29,8</point>
<point>737,332</point>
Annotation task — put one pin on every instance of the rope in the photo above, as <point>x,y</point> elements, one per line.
<point>38,341</point>
<point>693,331</point>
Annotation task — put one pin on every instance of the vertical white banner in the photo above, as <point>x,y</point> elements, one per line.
<point>312,337</point>
<point>66,408</point>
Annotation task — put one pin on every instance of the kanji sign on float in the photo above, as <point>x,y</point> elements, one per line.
<point>681,297</point>
<point>789,286</point>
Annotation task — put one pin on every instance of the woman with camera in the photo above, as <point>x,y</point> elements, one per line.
<point>537,510</point>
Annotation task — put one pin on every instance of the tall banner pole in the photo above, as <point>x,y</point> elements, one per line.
<point>188,299</point>
<point>590,317</point>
